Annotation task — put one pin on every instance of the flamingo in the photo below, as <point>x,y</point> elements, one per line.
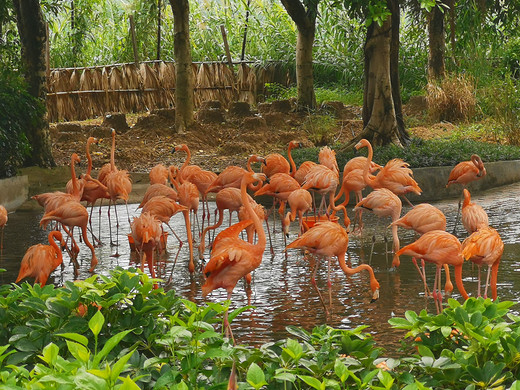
<point>300,202</point>
<point>438,247</point>
<point>327,157</point>
<point>146,232</point>
<point>485,247</point>
<point>107,168</point>
<point>164,208</point>
<point>329,239</point>
<point>3,221</point>
<point>232,176</point>
<point>384,203</point>
<point>464,173</point>
<point>423,218</point>
<point>323,180</point>
<point>159,174</point>
<point>158,189</point>
<point>40,260</point>
<point>234,258</point>
<point>395,175</point>
<point>474,216</point>
<point>72,214</point>
<point>189,197</point>
<point>303,170</point>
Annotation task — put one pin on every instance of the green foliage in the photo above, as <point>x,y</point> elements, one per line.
<point>422,153</point>
<point>320,129</point>
<point>18,110</point>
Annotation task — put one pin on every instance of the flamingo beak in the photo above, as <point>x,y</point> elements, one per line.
<point>375,296</point>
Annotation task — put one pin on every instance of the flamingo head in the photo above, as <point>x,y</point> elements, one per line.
<point>295,144</point>
<point>362,144</point>
<point>75,158</point>
<point>180,147</point>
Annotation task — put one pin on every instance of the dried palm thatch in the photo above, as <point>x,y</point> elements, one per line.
<point>452,99</point>
<point>88,92</point>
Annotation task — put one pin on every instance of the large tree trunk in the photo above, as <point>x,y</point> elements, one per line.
<point>304,71</point>
<point>31,27</point>
<point>437,44</point>
<point>183,65</point>
<point>305,20</point>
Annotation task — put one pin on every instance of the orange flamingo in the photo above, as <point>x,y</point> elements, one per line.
<point>3,221</point>
<point>83,181</point>
<point>303,170</point>
<point>300,202</point>
<point>40,260</point>
<point>72,214</point>
<point>464,173</point>
<point>438,247</point>
<point>189,197</point>
<point>107,168</point>
<point>423,218</point>
<point>51,200</point>
<point>322,180</point>
<point>474,217</point>
<point>280,187</point>
<point>276,163</point>
<point>395,175</point>
<point>159,174</point>
<point>485,247</point>
<point>327,157</point>
<point>232,176</point>
<point>158,190</point>
<point>234,258</point>
<point>384,203</point>
<point>329,239</point>
<point>146,232</point>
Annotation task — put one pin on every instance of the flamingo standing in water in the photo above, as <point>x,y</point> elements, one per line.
<point>438,247</point>
<point>40,260</point>
<point>395,175</point>
<point>300,202</point>
<point>146,232</point>
<point>464,173</point>
<point>71,214</point>
<point>233,258</point>
<point>159,174</point>
<point>276,163</point>
<point>232,176</point>
<point>474,216</point>
<point>329,239</point>
<point>485,247</point>
<point>3,221</point>
<point>384,203</point>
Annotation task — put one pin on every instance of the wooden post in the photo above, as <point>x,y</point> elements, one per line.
<point>159,2</point>
<point>134,40</point>
<point>244,40</point>
<point>226,47</point>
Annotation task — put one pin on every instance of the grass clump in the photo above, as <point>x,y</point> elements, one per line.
<point>320,129</point>
<point>452,99</point>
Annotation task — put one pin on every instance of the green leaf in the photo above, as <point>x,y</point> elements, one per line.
<point>446,331</point>
<point>255,376</point>
<point>285,376</point>
<point>96,323</point>
<point>236,312</point>
<point>311,381</point>
<point>128,384</point>
<point>109,345</point>
<point>118,367</point>
<point>75,337</point>
<point>425,351</point>
<point>341,370</point>
<point>78,351</point>
<point>50,354</point>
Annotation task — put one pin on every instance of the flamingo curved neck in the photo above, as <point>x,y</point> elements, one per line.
<point>113,152</point>
<point>250,169</point>
<point>188,157</point>
<point>247,205</point>
<point>52,237</point>
<point>75,187</point>
<point>369,179</point>
<point>458,281</point>
<point>292,172</point>
<point>89,157</point>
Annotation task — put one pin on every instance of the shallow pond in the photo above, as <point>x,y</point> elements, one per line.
<point>281,291</point>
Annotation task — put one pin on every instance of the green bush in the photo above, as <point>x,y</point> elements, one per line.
<point>18,109</point>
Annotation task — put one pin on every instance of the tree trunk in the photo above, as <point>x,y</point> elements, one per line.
<point>437,44</point>
<point>305,20</point>
<point>453,43</point>
<point>31,28</point>
<point>402,134</point>
<point>379,119</point>
<point>304,70</point>
<point>183,65</point>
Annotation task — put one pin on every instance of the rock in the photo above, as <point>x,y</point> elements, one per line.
<point>283,106</point>
<point>151,121</point>
<point>254,123</point>
<point>115,120</point>
<point>213,115</point>
<point>239,110</point>
<point>68,127</point>
<point>166,113</point>
<point>209,104</point>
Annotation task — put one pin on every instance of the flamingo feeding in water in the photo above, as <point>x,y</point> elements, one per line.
<point>40,260</point>
<point>474,216</point>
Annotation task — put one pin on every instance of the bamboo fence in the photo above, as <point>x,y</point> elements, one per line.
<point>83,93</point>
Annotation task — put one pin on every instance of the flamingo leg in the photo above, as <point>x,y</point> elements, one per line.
<point>93,260</point>
<point>478,283</point>
<point>226,325</point>
<point>269,235</point>
<point>435,296</point>
<point>313,282</point>
<point>117,233</point>
<point>177,255</point>
<point>423,277</point>
<point>458,214</point>
<point>329,283</point>
<point>487,281</point>
<point>372,249</point>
